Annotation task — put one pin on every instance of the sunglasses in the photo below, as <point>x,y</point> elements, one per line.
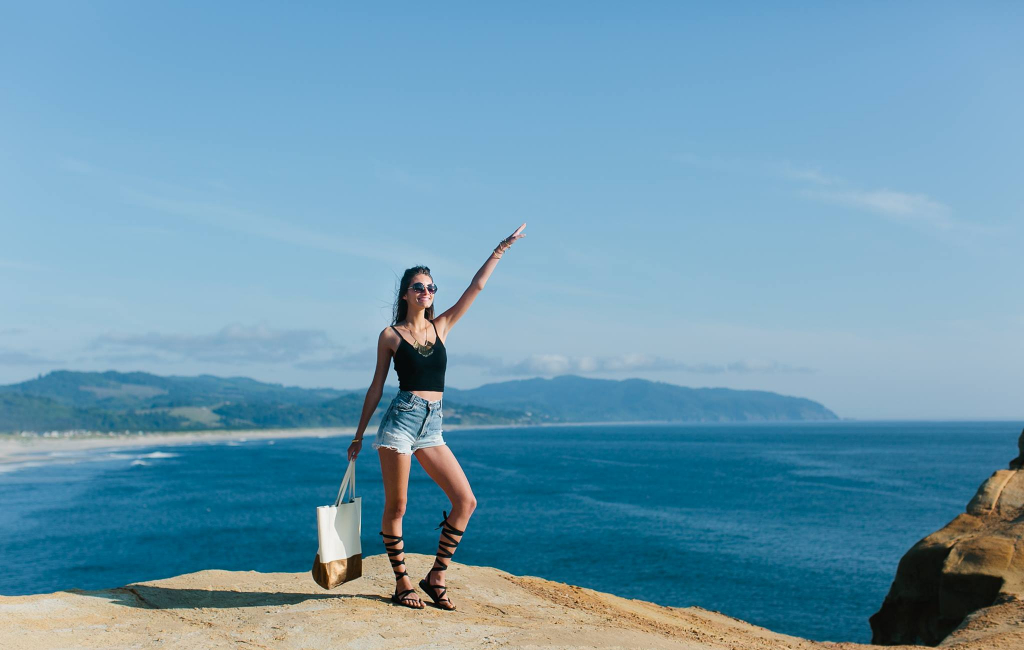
<point>419,288</point>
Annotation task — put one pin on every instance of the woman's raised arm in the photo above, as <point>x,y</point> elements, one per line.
<point>447,320</point>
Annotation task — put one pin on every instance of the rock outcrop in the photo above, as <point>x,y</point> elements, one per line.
<point>245,609</point>
<point>237,609</point>
<point>975,561</point>
<point>1018,462</point>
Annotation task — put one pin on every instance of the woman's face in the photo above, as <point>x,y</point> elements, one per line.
<point>424,299</point>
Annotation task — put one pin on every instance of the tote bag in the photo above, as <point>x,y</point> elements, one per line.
<point>339,557</point>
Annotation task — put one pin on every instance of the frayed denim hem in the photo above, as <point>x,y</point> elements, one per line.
<point>391,447</point>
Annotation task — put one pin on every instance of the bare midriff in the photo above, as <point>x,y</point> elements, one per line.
<point>429,395</point>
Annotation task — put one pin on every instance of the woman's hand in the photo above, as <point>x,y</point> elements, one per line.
<point>508,241</point>
<point>354,448</point>
<point>514,236</point>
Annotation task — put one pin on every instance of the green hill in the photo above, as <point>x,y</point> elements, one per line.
<point>120,390</point>
<point>113,401</point>
<point>572,398</point>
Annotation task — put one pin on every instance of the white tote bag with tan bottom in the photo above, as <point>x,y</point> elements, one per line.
<point>339,557</point>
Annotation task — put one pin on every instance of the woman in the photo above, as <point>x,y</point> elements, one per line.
<point>412,423</point>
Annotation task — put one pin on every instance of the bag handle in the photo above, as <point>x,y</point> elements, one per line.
<point>348,481</point>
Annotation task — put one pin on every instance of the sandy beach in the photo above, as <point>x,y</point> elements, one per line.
<point>27,451</point>
<point>18,451</point>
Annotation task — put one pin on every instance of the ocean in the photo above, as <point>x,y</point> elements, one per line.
<point>794,527</point>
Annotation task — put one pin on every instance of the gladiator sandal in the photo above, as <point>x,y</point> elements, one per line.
<point>446,548</point>
<point>402,598</point>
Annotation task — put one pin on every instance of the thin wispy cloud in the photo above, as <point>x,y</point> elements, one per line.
<point>19,358</point>
<point>251,223</point>
<point>750,167</point>
<point>16,265</point>
<point>804,174</point>
<point>366,359</point>
<point>900,205</point>
<point>168,200</point>
<point>558,364</point>
<point>474,360</point>
<point>911,207</point>
<point>234,344</point>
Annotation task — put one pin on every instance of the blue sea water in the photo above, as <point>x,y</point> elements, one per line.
<point>795,527</point>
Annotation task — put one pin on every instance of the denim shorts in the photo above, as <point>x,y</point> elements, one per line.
<point>410,423</point>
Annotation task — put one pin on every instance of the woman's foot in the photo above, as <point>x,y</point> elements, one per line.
<point>404,594</point>
<point>434,585</point>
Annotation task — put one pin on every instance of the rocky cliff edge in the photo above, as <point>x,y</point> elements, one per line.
<point>225,609</point>
<point>974,562</point>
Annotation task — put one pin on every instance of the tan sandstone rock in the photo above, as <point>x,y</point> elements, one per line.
<point>975,561</point>
<point>222,609</point>
<point>245,609</point>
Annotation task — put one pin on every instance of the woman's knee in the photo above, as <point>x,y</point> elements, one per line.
<point>395,509</point>
<point>466,503</point>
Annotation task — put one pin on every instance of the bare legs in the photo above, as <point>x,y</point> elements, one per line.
<point>441,465</point>
<point>394,467</point>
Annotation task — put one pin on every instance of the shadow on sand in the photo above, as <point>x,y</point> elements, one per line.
<point>149,597</point>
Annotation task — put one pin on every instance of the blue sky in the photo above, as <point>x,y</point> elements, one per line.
<point>817,200</point>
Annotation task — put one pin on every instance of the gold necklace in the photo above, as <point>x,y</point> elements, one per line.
<point>425,349</point>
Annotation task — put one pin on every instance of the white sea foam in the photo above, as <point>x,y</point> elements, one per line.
<point>13,467</point>
<point>159,454</point>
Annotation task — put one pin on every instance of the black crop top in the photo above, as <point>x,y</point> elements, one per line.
<point>418,371</point>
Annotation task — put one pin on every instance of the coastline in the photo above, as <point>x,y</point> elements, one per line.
<point>18,450</point>
<point>218,608</point>
<point>36,450</point>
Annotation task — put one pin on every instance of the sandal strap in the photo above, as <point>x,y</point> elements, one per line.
<point>447,544</point>
<point>436,592</point>
<point>402,595</point>
<point>444,522</point>
<point>394,553</point>
<point>447,541</point>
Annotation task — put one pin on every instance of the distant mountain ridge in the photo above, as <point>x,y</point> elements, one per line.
<point>574,398</point>
<point>115,401</point>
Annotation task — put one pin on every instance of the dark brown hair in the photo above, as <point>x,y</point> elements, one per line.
<point>401,306</point>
